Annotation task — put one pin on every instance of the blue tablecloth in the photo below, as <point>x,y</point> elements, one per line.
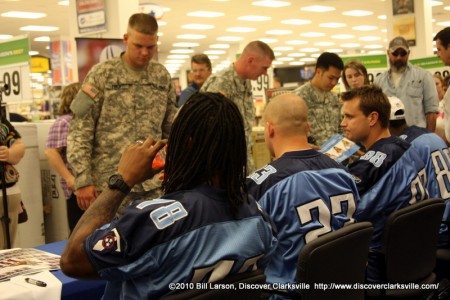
<point>74,289</point>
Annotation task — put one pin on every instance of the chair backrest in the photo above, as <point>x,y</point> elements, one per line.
<point>254,277</point>
<point>336,257</point>
<point>409,241</point>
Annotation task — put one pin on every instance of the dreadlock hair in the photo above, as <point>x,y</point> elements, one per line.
<point>207,145</point>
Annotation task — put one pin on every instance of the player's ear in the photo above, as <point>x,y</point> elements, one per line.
<point>270,129</point>
<point>373,118</point>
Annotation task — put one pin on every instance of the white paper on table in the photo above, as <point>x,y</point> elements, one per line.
<point>18,289</point>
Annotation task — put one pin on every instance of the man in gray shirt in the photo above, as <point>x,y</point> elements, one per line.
<point>414,85</point>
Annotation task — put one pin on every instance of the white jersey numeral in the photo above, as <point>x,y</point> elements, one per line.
<point>168,215</point>
<point>305,213</point>
<point>260,175</point>
<point>441,168</point>
<point>418,190</point>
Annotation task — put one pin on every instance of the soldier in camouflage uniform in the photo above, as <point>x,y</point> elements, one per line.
<point>324,108</point>
<point>234,83</point>
<point>122,100</point>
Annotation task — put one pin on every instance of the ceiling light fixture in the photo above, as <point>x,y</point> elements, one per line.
<point>181,51</point>
<point>271,3</point>
<point>297,54</point>
<point>296,22</point>
<point>186,45</point>
<point>318,8</point>
<point>38,28</point>
<point>312,34</point>
<point>253,18</point>
<point>241,29</point>
<point>230,38</point>
<point>342,36</point>
<point>297,63</point>
<point>324,44</point>
<point>23,15</point>
<point>357,13</point>
<point>191,36</point>
<point>279,32</point>
<point>268,40</point>
<point>365,28</point>
<point>332,25</point>
<point>42,39</point>
<point>219,46</point>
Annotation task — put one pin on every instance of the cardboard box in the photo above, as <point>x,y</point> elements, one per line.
<point>261,155</point>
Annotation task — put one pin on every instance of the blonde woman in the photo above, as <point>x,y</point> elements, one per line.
<point>56,152</point>
<point>354,75</point>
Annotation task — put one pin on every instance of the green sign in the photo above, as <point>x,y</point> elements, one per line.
<point>377,61</point>
<point>428,62</point>
<point>14,51</point>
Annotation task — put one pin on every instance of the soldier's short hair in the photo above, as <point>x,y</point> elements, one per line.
<point>329,59</point>
<point>143,23</point>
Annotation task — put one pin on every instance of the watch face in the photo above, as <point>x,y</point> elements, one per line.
<point>115,179</point>
<point>116,182</point>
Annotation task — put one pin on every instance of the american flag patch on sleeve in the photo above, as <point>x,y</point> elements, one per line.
<point>90,90</point>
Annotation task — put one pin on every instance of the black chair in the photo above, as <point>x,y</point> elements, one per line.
<point>255,277</point>
<point>408,251</point>
<point>442,269</point>
<point>338,257</point>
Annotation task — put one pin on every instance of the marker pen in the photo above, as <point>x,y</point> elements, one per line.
<point>36,282</point>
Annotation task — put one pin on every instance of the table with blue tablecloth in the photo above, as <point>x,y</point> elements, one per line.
<point>74,289</point>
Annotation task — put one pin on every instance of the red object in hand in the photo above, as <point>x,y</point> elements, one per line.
<point>159,161</point>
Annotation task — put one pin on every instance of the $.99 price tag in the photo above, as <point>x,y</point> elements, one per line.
<point>15,82</point>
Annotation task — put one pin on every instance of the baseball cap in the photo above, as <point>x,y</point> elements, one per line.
<point>397,109</point>
<point>397,43</point>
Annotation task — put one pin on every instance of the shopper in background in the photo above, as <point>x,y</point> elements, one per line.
<point>11,152</point>
<point>414,85</point>
<point>446,82</point>
<point>56,152</point>
<point>388,175</point>
<point>324,108</point>
<point>440,117</point>
<point>354,74</point>
<point>201,69</point>
<point>122,100</point>
<point>440,86</point>
<point>204,224</point>
<point>234,82</point>
<point>442,40</point>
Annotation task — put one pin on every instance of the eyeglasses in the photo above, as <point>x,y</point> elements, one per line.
<point>402,54</point>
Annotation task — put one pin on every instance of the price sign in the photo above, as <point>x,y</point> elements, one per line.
<point>260,84</point>
<point>15,69</point>
<point>16,81</point>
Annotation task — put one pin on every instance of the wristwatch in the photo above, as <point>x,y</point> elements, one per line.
<point>116,182</point>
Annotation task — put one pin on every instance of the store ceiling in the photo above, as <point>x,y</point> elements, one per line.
<point>176,17</point>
